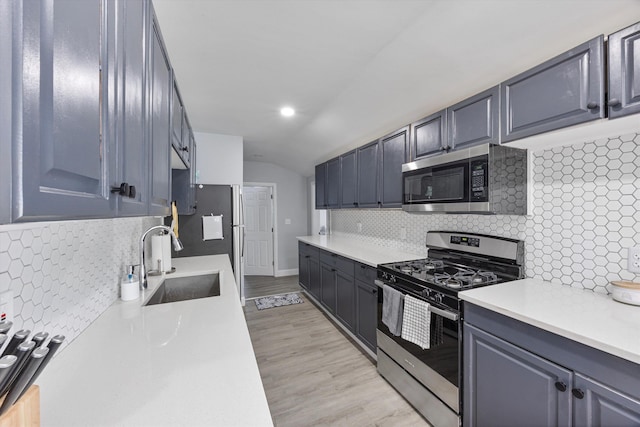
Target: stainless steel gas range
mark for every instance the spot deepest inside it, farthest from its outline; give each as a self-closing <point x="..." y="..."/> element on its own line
<point x="425" y="366"/>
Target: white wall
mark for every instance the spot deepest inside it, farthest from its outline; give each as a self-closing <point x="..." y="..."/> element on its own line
<point x="219" y="158"/>
<point x="291" y="194"/>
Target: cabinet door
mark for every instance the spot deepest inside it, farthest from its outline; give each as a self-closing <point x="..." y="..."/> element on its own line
<point x="60" y="146"/>
<point x="428" y="135"/>
<point x="177" y="114"/>
<point x="395" y="151"/>
<point x="314" y="277"/>
<point x="597" y="404"/>
<point x="186" y="140"/>
<point x="561" y="92"/>
<point x="366" y="313"/>
<point x="328" y="287"/>
<point x="505" y="385"/>
<point x="624" y="72"/>
<point x="349" y="180"/>
<point x="160" y="118"/>
<point x="345" y="300"/>
<point x="321" y="186"/>
<point x="303" y="267"/>
<point x="474" y="120"/>
<point x="6" y="41"/>
<point x="333" y="183"/>
<point x="368" y="178"/>
<point x="126" y="63"/>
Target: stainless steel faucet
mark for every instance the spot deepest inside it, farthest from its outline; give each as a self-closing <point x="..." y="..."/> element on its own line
<point x="177" y="245"/>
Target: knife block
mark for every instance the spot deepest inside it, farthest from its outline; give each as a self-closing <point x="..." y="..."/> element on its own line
<point x="25" y="412"/>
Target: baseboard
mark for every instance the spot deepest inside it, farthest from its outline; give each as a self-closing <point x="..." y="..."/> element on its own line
<point x="290" y="272"/>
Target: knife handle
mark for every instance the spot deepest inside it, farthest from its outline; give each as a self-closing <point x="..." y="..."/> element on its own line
<point x="6" y="366"/>
<point x="53" y="346"/>
<point x="39" y="338"/>
<point x="5" y="325"/>
<point x="22" y="380"/>
<point x="22" y="353"/>
<point x="15" y="341"/>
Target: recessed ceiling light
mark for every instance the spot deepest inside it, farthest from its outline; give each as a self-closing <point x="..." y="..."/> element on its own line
<point x="287" y="111"/>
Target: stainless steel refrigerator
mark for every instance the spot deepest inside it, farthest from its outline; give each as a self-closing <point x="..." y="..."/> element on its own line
<point x="225" y="200"/>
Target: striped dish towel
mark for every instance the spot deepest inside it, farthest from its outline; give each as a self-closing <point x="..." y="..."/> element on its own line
<point x="416" y="322"/>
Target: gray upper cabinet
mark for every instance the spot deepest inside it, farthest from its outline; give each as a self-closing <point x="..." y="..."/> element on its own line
<point x="395" y="152"/>
<point x="59" y="150"/>
<point x="6" y="41"/>
<point x="160" y="94"/>
<point x="349" y="181"/>
<point x="321" y="186"/>
<point x="624" y="72"/>
<point x="129" y="139"/>
<point x="368" y="175"/>
<point x="474" y="120"/>
<point x="333" y="183"/>
<point x="428" y="135"/>
<point x="564" y="91"/>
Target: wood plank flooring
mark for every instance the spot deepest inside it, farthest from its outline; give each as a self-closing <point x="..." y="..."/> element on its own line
<point x="262" y="286"/>
<point x="314" y="376"/>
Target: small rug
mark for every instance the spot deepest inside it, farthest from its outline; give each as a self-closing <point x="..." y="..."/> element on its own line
<point x="278" y="301"/>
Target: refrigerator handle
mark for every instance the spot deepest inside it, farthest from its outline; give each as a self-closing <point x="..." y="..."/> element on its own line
<point x="242" y="222"/>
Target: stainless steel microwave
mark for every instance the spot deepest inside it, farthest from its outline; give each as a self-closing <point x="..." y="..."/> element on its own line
<point x="487" y="179"/>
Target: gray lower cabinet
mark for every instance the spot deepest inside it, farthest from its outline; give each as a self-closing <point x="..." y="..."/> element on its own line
<point x="60" y="145"/>
<point x="349" y="180"/>
<point x="328" y="287"/>
<point x="474" y="120"/>
<point x="346" y="299"/>
<point x="429" y="135"/>
<point x="395" y="151"/>
<point x="366" y="313"/>
<point x="160" y="94"/>
<point x="333" y="183"/>
<point x="368" y="175"/>
<point x="314" y="276"/>
<point x="564" y="91"/>
<point x="624" y="72"/>
<point x="321" y="186"/>
<point x="303" y="267"/>
<point x="516" y="374"/>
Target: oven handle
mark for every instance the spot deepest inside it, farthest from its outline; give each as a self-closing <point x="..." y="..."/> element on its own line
<point x="444" y="313"/>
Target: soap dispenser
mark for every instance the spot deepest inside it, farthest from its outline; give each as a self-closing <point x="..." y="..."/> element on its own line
<point x="130" y="285"/>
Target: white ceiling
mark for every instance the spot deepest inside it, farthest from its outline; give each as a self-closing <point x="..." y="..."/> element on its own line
<point x="356" y="69"/>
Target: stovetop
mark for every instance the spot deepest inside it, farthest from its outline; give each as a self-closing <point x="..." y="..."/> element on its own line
<point x="440" y="273"/>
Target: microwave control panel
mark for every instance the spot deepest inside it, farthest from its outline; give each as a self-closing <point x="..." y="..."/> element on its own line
<point x="479" y="180"/>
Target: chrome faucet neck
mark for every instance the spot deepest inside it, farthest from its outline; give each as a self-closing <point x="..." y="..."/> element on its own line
<point x="143" y="267"/>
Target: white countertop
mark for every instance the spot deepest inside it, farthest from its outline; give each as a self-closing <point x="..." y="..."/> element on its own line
<point x="187" y="363"/>
<point x="584" y="316"/>
<point x="365" y="253"/>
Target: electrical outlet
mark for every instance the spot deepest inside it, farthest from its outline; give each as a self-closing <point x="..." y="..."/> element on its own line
<point x="6" y="306"/>
<point x="633" y="260"/>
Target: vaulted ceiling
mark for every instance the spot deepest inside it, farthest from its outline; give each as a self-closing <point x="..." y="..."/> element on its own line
<point x="355" y="70"/>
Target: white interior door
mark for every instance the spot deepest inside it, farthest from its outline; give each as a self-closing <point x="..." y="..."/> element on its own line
<point x="258" y="254"/>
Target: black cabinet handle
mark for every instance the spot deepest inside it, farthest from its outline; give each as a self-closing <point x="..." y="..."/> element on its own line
<point x="577" y="393"/>
<point x="592" y="105"/>
<point x="560" y="386"/>
<point x="363" y="266"/>
<point x="334" y="255"/>
<point x="443" y="148"/>
<point x="355" y="203"/>
<point x="132" y="191"/>
<point x="185" y="149"/>
<point x="333" y="269"/>
<point x="307" y="256"/>
<point x="374" y="291"/>
<point x="122" y="190"/>
<point x="614" y="102"/>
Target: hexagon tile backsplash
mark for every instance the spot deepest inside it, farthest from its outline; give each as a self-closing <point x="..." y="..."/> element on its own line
<point x="65" y="274"/>
<point x="585" y="214"/>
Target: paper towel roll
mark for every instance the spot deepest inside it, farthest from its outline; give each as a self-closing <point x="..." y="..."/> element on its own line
<point x="166" y="253"/>
<point x="157" y="253"/>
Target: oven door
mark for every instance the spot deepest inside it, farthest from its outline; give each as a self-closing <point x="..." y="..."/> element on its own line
<point x="437" y="367"/>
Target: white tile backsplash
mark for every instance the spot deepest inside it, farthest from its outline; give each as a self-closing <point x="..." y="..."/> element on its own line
<point x="65" y="274"/>
<point x="585" y="214"/>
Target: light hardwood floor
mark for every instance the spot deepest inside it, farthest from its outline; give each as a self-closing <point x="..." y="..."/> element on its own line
<point x="262" y="286"/>
<point x="313" y="375"/>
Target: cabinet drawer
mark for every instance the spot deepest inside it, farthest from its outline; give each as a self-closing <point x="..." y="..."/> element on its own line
<point x="338" y="262"/>
<point x="365" y="273"/>
<point x="307" y="249"/>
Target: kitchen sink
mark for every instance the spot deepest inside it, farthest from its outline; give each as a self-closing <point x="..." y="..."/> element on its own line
<point x="186" y="288"/>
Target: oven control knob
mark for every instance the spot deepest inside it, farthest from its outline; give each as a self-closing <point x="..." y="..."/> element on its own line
<point x="438" y="297"/>
<point x="392" y="278"/>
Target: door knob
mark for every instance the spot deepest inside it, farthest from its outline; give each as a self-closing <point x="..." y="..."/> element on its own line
<point x="122" y="190"/>
<point x="560" y="386"/>
<point x="577" y="393"/>
<point x="614" y="102"/>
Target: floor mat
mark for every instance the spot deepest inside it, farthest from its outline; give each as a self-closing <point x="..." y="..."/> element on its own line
<point x="278" y="301"/>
